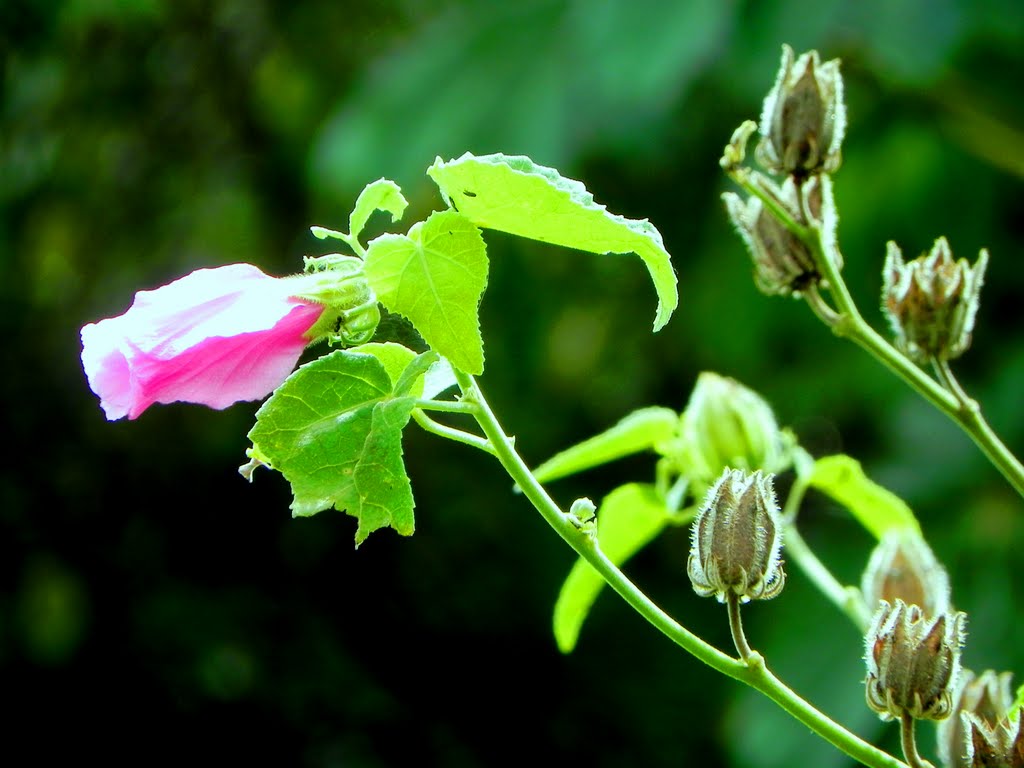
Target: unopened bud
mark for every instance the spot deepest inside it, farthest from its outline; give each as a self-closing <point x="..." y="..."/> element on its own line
<point x="804" y="118"/>
<point x="351" y="313"/>
<point x="912" y="661"/>
<point x="725" y="424"/>
<point x="982" y="731"/>
<point x="783" y="264"/>
<point x="736" y="538"/>
<point x="931" y="301"/>
<point x="903" y="567"/>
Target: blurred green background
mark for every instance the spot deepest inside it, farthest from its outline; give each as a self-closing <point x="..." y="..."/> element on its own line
<point x="156" y="609"/>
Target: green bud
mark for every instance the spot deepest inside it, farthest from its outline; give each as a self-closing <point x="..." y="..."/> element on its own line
<point x="351" y="313"/>
<point x="804" y="118"/>
<point x="736" y="538"/>
<point x="983" y="731"/>
<point x="728" y="425"/>
<point x="931" y="301"/>
<point x="913" y="661"/>
<point x="903" y="567"/>
<point x="783" y="264"/>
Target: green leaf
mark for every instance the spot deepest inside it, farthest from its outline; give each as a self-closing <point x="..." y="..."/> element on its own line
<point x="629" y="518"/>
<point x="379" y="195"/>
<point x="639" y="431"/>
<point x="393" y="356"/>
<point x="334" y="430"/>
<point x="513" y="194"/>
<point x="435" y="277"/>
<point x="877" y="509"/>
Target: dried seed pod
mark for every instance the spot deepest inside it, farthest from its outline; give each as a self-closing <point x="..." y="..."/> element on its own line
<point x="736" y="539"/>
<point x="783" y="264"/>
<point x="913" y="661"/>
<point x="931" y="301"/>
<point x="804" y="118"/>
<point x="982" y="730"/>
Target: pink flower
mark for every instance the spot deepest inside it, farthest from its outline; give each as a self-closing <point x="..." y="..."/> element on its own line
<point x="214" y="337"/>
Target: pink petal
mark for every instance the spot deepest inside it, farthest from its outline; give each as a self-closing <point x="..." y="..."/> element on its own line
<point x="214" y="337"/>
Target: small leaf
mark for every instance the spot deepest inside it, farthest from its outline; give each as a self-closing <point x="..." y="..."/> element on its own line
<point x="334" y="430"/>
<point x="639" y="431"/>
<point x="630" y="517"/>
<point x="877" y="509"/>
<point x="379" y="195"/>
<point x="513" y="194"/>
<point x="435" y="277"/>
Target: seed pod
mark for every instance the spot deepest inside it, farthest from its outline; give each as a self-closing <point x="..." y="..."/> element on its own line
<point x="982" y="731"/>
<point x="931" y="301"/>
<point x="736" y="538"/>
<point x="903" y="567"/>
<point x="783" y="264"/>
<point x="913" y="661"/>
<point x="804" y="118"/>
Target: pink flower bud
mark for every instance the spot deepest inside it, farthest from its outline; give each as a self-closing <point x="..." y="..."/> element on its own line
<point x="214" y="337"/>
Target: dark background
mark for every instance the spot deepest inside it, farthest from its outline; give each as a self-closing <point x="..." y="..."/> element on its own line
<point x="156" y="609"/>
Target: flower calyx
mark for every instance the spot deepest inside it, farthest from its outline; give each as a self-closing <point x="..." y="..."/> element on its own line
<point x="736" y="539"/>
<point x="351" y="313"/>
<point x="931" y="301"/>
<point x="913" y="661"/>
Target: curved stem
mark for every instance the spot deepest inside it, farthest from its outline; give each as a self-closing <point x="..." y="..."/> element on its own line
<point x="739" y="639"/>
<point x="442" y="430"/>
<point x="914" y="760"/>
<point x="847" y="599"/>
<point x="754" y="672"/>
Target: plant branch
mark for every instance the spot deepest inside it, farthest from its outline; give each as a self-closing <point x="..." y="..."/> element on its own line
<point x="451" y="433"/>
<point x="846" y="321"/>
<point x="753" y="672"/>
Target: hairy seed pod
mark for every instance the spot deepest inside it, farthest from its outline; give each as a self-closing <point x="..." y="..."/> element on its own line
<point x="913" y="661"/>
<point x="982" y="731"/>
<point x="804" y="118"/>
<point x="783" y="264"/>
<point x="736" y="538"/>
<point x="931" y="301"/>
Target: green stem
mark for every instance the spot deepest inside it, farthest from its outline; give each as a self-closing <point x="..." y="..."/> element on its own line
<point x="442" y="430"/>
<point x="739" y="639"/>
<point x="914" y="760"/>
<point x="847" y="599"/>
<point x="753" y="672"/>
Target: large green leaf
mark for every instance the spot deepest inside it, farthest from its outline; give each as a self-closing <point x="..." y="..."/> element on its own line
<point x="876" y="508"/>
<point x="435" y="276"/>
<point x="639" y="431"/>
<point x="629" y="518"/>
<point x="334" y="430"/>
<point x="513" y="194"/>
